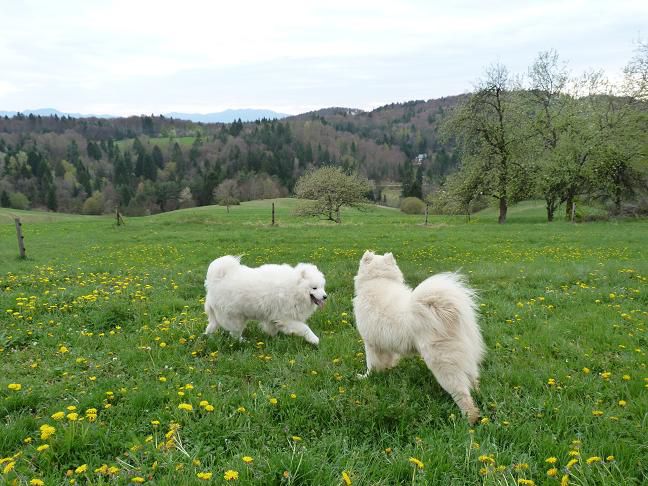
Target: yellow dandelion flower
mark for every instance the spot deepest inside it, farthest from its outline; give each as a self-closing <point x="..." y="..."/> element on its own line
<point x="586" y="370"/>
<point x="72" y="417"/>
<point x="346" y="478"/>
<point x="526" y="482"/>
<point x="626" y="377"/>
<point x="58" y="415"/>
<point x="47" y="431"/>
<point x="551" y="460"/>
<point x="597" y="413"/>
<point x="296" y="438"/>
<point x="273" y="401"/>
<point x="36" y="482"/>
<point x="622" y="403"/>
<point x="42" y="448"/>
<point x="209" y="408"/>
<point x="241" y="410"/>
<point x="564" y="481"/>
<point x="186" y="407"/>
<point x="593" y="459"/>
<point x="203" y="403"/>
<point x="9" y="467"/>
<point x="137" y="479"/>
<point x="417" y="462"/>
<point x="81" y="469"/>
<point x="14" y="386"/>
<point x="571" y="463"/>
<point x="552" y="472"/>
<point x="486" y="459"/>
<point x="609" y="458"/>
<point x="247" y="459"/>
<point x="231" y="475"/>
<point x="205" y="476"/>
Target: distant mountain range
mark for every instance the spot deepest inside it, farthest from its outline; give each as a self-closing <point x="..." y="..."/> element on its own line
<point x="226" y="116"/>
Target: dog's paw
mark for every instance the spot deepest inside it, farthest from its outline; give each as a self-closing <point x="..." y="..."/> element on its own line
<point x="363" y="376"/>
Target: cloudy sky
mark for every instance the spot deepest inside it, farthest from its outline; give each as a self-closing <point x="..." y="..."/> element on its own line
<point x="139" y="56"/>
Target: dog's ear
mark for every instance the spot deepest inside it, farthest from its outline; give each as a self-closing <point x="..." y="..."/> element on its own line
<point x="389" y="258"/>
<point x="302" y="270"/>
<point x="368" y="256"/>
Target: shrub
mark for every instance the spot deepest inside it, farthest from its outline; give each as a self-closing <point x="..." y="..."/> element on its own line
<point x="412" y="205"/>
<point x="17" y="200"/>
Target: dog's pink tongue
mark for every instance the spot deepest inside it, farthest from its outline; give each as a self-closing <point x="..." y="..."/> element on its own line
<point x="320" y="304"/>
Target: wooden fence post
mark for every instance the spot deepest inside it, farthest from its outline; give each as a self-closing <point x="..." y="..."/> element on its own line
<point x="21" y="242"/>
<point x="427" y="208"/>
<point x="273" y="214"/>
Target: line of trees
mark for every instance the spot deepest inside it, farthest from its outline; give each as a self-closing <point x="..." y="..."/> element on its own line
<point x="550" y="135"/>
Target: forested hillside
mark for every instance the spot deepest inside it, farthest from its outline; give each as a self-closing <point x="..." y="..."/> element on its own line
<point x="149" y="164"/>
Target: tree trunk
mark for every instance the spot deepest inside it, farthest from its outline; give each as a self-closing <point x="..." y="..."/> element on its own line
<point x="569" y="204"/>
<point x="503" y="207"/>
<point x="551" y="208"/>
<point x="337" y="216"/>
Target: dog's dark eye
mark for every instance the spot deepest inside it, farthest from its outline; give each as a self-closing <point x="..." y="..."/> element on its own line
<point x="314" y="288"/>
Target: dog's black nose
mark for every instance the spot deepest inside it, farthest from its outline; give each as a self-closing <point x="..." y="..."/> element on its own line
<point x="324" y="297"/>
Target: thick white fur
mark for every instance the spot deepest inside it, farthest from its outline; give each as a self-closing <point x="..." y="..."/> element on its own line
<point x="278" y="296"/>
<point x="436" y="320"/>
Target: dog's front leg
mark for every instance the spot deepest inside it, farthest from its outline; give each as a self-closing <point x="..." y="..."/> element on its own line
<point x="299" y="329"/>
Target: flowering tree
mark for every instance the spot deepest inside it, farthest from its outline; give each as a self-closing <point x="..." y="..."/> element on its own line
<point x="326" y="190"/>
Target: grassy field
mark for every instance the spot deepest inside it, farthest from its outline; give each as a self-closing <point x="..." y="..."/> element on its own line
<point x="104" y="378"/>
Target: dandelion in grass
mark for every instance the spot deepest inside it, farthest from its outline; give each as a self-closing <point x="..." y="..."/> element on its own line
<point x="14" y="386"/>
<point x="205" y="476"/>
<point x="58" y="415"/>
<point x="551" y="460"/>
<point x="9" y="467"/>
<point x="593" y="459"/>
<point x="187" y="407"/>
<point x="231" y="475"/>
<point x="346" y="478"/>
<point x="552" y="472"/>
<point x="273" y="401"/>
<point x="526" y="482"/>
<point x="42" y="448"/>
<point x="247" y="459"/>
<point x="296" y="438"/>
<point x="564" y="481"/>
<point x="47" y="431"/>
<point x="571" y="463"/>
<point x="81" y="469"/>
<point x="36" y="482"/>
<point x="417" y="462"/>
<point x="137" y="480"/>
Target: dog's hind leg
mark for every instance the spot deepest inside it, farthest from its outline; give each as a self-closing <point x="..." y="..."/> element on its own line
<point x="379" y="360"/>
<point x="268" y="327"/>
<point x="299" y="329"/>
<point x="453" y="380"/>
<point x="211" y="317"/>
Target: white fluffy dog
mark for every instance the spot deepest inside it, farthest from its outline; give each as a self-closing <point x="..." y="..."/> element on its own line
<point x="280" y="297"/>
<point x="437" y="320"/>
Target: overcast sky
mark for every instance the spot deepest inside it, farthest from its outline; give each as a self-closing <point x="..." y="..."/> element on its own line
<point x="138" y="56"/>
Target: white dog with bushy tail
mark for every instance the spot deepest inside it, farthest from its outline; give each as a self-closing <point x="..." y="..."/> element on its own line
<point x="436" y="320"/>
<point x="280" y="297"/>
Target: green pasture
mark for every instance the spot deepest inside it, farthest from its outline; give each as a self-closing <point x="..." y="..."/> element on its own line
<point x="105" y="378"/>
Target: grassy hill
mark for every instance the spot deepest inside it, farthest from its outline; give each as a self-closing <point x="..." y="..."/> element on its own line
<point x="108" y="320"/>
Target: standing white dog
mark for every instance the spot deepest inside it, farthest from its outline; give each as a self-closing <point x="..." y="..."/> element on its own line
<point x="437" y="320"/>
<point x="280" y="297"/>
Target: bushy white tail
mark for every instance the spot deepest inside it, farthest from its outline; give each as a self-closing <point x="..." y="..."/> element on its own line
<point x="221" y="267"/>
<point x="448" y="296"/>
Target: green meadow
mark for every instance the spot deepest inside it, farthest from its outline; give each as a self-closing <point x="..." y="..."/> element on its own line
<point x="106" y="379"/>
